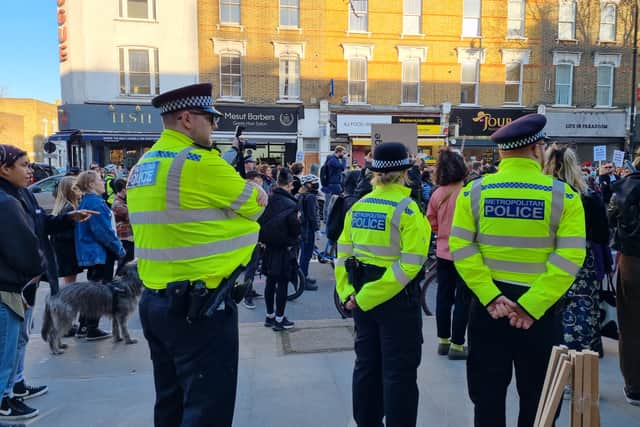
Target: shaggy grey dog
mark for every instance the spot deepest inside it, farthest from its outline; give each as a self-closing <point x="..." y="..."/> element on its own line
<point x="92" y="300"/>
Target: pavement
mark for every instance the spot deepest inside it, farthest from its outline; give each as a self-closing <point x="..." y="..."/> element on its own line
<point x="301" y="377"/>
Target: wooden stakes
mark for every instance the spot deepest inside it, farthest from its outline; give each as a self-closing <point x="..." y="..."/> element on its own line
<point x="580" y="370"/>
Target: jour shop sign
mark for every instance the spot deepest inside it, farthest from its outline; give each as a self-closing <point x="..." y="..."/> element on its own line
<point x="586" y="124"/>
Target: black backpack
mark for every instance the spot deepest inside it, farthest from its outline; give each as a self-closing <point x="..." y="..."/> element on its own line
<point x="271" y="228"/>
<point x="324" y="175"/>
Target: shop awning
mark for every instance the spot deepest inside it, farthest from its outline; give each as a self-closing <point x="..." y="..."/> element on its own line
<point x="63" y="135"/>
<point x="119" y="136"/>
<point x="360" y="141"/>
<point x="469" y="142"/>
<point x="423" y="142"/>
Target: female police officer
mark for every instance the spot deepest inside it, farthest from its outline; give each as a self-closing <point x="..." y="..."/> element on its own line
<point x="381" y="252"/>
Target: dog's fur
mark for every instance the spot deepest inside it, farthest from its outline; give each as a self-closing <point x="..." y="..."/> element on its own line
<point x="92" y="300"/>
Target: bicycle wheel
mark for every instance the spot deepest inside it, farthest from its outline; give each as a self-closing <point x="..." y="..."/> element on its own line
<point x="428" y="292"/>
<point x="296" y="286"/>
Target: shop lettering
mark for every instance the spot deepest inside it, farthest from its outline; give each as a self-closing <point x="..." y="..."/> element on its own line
<point x="514" y="208"/>
<point x="491" y="122"/>
<point x="62" y="32"/>
<point x="122" y="118"/>
<point x="250" y="117"/>
<point x="586" y="126"/>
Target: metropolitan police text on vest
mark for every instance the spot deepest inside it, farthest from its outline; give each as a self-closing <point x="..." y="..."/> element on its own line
<point x="514" y="208"/>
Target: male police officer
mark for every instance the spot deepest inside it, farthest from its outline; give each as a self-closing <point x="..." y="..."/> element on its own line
<point x="381" y="253"/>
<point x="194" y="223"/>
<point x="517" y="240"/>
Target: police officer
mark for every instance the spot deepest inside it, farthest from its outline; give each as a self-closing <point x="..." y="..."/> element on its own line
<point x="517" y="240"/>
<point x="381" y="253"/>
<point x="194" y="223"/>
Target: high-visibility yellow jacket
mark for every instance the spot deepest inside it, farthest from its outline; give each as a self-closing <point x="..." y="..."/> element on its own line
<point x="386" y="229"/>
<point x="193" y="216"/>
<point x="521" y="227"/>
<point x="111" y="194"/>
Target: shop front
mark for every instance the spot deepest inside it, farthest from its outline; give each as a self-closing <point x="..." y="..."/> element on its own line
<point x="357" y="128"/>
<point x="584" y="129"/>
<point x="273" y="130"/>
<point x="106" y="133"/>
<point x="471" y="129"/>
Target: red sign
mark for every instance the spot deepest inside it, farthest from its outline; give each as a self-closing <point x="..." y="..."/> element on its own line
<point x="62" y="31"/>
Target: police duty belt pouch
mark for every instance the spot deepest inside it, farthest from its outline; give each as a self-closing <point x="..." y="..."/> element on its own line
<point x="178" y="297"/>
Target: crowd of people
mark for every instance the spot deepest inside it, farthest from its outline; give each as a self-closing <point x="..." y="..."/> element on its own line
<point x="522" y="249"/>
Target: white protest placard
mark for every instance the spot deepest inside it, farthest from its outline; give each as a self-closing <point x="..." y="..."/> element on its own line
<point x="618" y="158"/>
<point x="600" y="153"/>
<point x="406" y="134"/>
<point x="300" y="156"/>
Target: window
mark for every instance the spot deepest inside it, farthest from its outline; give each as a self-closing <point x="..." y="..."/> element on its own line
<point x="358" y="15"/>
<point x="513" y="83"/>
<point x="567" y="20"/>
<point x="564" y="83"/>
<point x="230" y="12"/>
<point x="469" y="83"/>
<point x="608" y="23"/>
<point x="138" y="9"/>
<point x="358" y="80"/>
<point x="230" y="75"/>
<point x="289" y="77"/>
<point x="604" y="95"/>
<point x="139" y="73"/>
<point x="411" y="81"/>
<point x="471" y="19"/>
<point x="515" y="20"/>
<point x="289" y="16"/>
<point x="411" y="20"/>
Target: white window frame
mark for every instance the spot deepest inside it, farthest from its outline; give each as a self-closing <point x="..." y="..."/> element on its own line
<point x="612" y="68"/>
<point x="516" y="19"/>
<point x="125" y="71"/>
<point x="571" y="21"/>
<point x="411" y="15"/>
<point x="366" y="75"/>
<point x="466" y="19"/>
<point x="513" y="83"/>
<point x="353" y="14"/>
<point x="231" y="3"/>
<point x="283" y="78"/>
<point x="603" y="36"/>
<point x="151" y="10"/>
<point x="288" y="7"/>
<point x="404" y="82"/>
<point x="571" y="72"/>
<point x="476" y="64"/>
<point x="239" y="55"/>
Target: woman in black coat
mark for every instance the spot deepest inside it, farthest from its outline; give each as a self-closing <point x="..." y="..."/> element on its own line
<point x="279" y="233"/>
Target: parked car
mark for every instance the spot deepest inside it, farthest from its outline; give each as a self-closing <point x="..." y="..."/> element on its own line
<point x="44" y="191"/>
<point x="42" y="171"/>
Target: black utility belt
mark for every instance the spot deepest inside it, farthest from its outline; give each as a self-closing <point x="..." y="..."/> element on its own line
<point x="193" y="300"/>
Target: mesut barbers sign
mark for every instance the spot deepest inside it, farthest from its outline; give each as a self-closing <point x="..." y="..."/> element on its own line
<point x="259" y="119"/>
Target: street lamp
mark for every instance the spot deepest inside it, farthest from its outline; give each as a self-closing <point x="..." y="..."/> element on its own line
<point x="634" y="61"/>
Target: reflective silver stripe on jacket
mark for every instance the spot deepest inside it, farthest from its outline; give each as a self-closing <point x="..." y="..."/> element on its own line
<point x="376" y="250"/>
<point x="476" y="193"/>
<point x="557" y="206"/>
<point x="516" y="242"/>
<point x="571" y="242"/>
<point x="399" y="274"/>
<point x="463" y="234"/>
<point x="197" y="251"/>
<point x="414" y="259"/>
<point x="564" y="264"/>
<point x="394" y="237"/>
<point x="344" y="248"/>
<point x="173" y="214"/>
<point x="339" y="262"/>
<point x="516" y="267"/>
<point x="466" y="252"/>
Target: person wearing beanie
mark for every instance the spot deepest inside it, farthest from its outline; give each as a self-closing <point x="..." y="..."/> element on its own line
<point x="309" y="223"/>
<point x="279" y="233"/>
<point x="381" y="254"/>
<point x="517" y="240"/>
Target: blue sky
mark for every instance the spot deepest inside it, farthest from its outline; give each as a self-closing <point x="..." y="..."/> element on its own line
<point x="29" y="65"/>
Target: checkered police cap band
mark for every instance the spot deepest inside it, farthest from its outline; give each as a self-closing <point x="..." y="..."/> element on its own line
<point x="385" y="164"/>
<point x="523" y="142"/>
<point x="186" y="103"/>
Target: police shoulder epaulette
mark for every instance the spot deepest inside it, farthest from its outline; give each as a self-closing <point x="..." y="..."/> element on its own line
<point x="467" y="181"/>
<point x="565" y="182"/>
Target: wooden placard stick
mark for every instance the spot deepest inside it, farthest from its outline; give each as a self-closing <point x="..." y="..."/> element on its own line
<point x="552" y="367"/>
<point x="577" y="407"/>
<point x="587" y="397"/>
<point x="555" y="396"/>
<point x="592" y="405"/>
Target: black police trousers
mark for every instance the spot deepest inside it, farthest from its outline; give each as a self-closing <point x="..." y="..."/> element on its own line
<point x="495" y="348"/>
<point x="195" y="365"/>
<point x="388" y="349"/>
